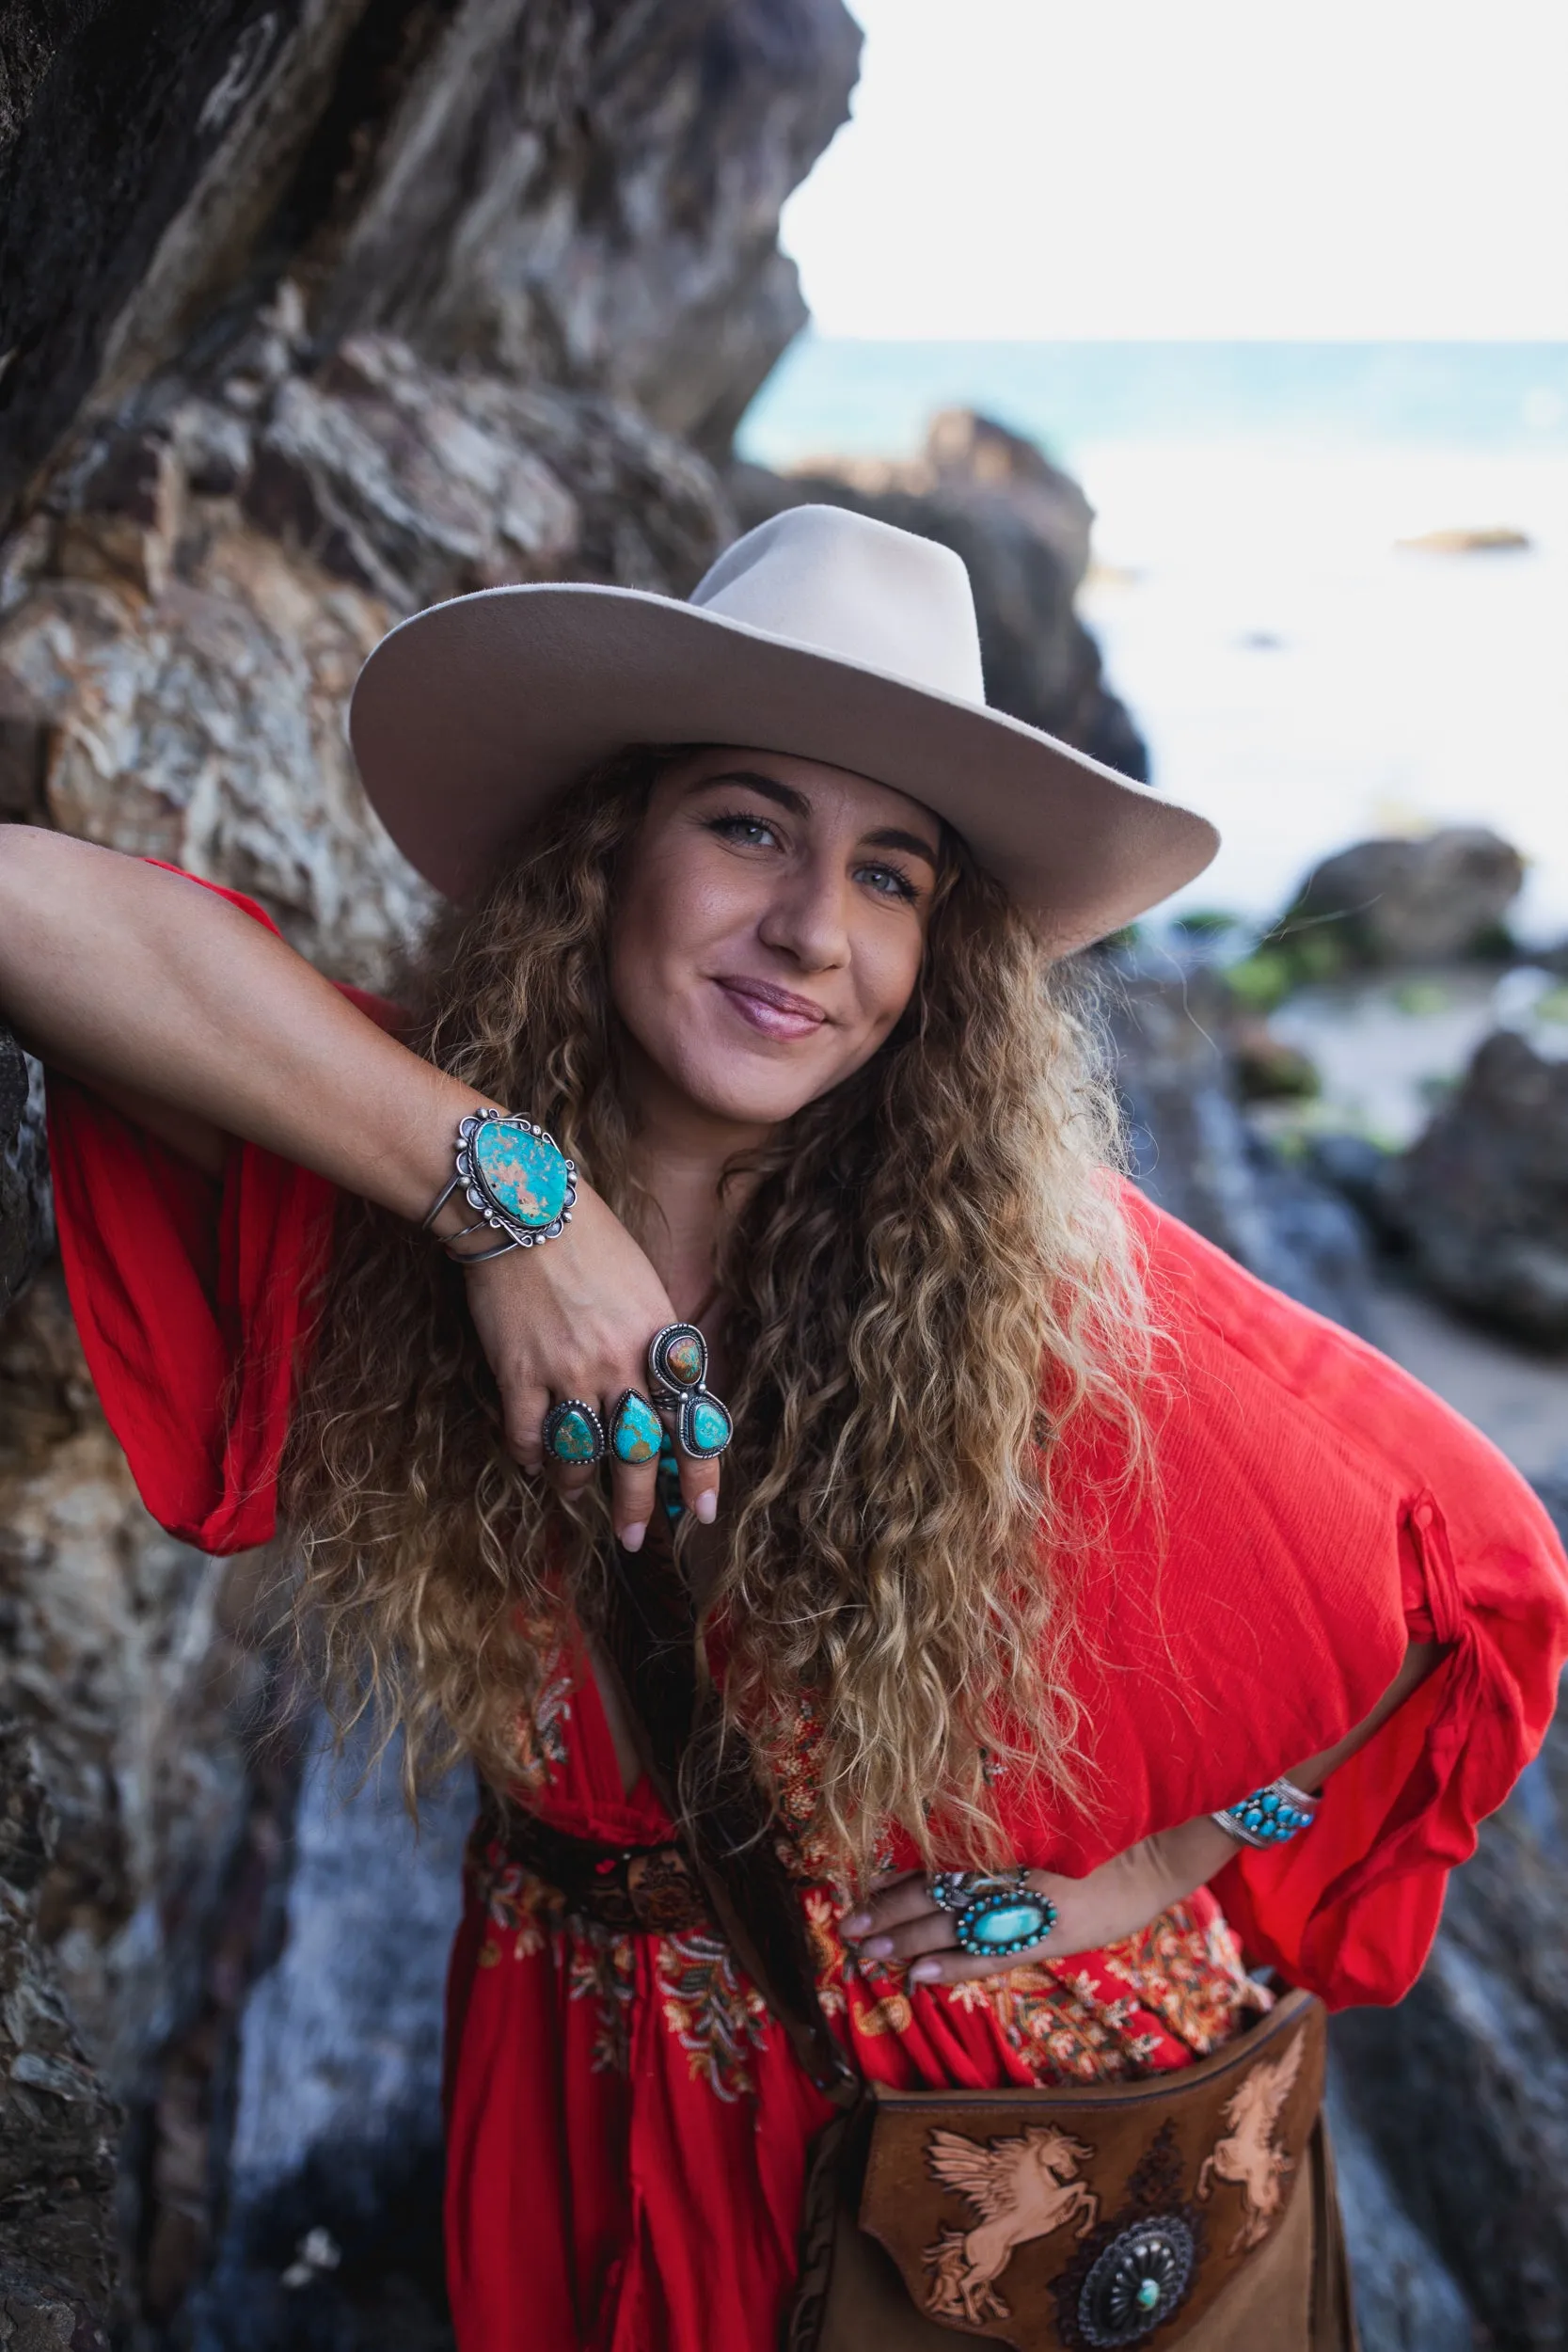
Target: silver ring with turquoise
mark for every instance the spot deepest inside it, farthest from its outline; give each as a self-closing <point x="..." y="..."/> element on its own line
<point x="574" y="1433"/>
<point x="636" y="1432"/>
<point x="995" y="1914"/>
<point x="516" y="1176"/>
<point x="677" y="1371"/>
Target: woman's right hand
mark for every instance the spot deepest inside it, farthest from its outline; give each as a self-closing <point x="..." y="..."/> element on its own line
<point x="573" y="1318"/>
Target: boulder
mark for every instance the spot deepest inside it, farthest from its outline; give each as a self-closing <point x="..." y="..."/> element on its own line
<point x="1483" y="1196"/>
<point x="1022" y="528"/>
<point x="1426" y="901"/>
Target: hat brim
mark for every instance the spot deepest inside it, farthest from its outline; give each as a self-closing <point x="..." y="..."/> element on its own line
<point x="470" y="716"/>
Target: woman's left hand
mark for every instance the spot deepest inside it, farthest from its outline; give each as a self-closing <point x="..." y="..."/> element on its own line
<point x="901" y="1922"/>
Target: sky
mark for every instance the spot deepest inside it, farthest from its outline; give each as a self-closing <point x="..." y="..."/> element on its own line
<point x="1063" y="168"/>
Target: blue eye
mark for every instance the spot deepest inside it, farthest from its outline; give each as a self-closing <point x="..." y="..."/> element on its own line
<point x="755" y="832"/>
<point x="889" y="882"/>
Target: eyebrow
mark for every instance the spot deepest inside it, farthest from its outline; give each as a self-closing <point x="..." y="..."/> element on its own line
<point x="785" y="796"/>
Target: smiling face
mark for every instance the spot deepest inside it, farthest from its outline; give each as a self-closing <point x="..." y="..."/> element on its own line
<point x="769" y="930"/>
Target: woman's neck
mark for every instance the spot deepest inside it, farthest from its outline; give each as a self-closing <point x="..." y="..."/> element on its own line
<point x="679" y="1158"/>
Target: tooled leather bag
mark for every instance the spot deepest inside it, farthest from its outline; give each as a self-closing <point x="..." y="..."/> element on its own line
<point x="1195" y="2209"/>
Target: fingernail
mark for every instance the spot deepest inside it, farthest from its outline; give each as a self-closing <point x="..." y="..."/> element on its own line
<point x="706" y="1506"/>
<point x="925" y="1971"/>
<point x="631" y="1537"/>
<point x="879" y="1947"/>
<point x="858" y="1923"/>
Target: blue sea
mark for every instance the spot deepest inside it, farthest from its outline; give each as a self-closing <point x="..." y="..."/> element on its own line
<point x="1303" y="672"/>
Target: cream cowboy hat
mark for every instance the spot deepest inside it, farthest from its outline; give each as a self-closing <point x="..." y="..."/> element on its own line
<point x="820" y="633"/>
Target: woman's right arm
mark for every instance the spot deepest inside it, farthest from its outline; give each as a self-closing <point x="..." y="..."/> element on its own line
<point x="202" y="1024"/>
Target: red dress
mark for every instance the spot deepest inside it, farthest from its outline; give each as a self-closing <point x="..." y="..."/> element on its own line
<point x="627" y="2128"/>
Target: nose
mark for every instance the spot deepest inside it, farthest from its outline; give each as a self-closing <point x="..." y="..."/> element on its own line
<point x="807" y="918"/>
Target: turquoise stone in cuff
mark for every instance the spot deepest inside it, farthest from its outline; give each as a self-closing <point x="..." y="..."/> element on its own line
<point x="637" y="1433"/>
<point x="525" y="1175"/>
<point x="1010" y="1923"/>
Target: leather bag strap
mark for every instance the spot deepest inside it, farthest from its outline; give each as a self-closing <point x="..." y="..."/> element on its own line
<point x="648" y="1638"/>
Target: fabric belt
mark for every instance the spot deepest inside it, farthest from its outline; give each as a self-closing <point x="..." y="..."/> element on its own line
<point x="638" y="1890"/>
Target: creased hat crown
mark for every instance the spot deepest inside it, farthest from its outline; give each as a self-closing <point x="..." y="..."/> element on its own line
<point x="857" y="589"/>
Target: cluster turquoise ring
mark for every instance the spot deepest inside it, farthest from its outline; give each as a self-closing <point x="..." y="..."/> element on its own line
<point x="995" y="1914"/>
<point x="677" y="1371"/>
<point x="574" y="1433"/>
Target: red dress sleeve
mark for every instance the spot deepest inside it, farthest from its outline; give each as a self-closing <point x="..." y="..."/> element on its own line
<point x="193" y="1296"/>
<point x="1350" y="1908"/>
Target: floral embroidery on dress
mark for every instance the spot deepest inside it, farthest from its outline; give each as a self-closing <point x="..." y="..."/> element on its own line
<point x="717" y="2017"/>
<point x="542" y="1734"/>
<point x="526" y="1916"/>
<point x="522" y="1910"/>
<point x="602" y="1967"/>
<point x="1093" y="2017"/>
<point x="1192" y="1977"/>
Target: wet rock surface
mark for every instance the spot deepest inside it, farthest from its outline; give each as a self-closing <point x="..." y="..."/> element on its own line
<point x="331" y="2239"/>
<point x="1022" y="528"/>
<point x="1481" y="1197"/>
<point x="1420" y="902"/>
<point x="1463" y="2090"/>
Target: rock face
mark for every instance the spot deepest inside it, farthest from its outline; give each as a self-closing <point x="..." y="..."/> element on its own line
<point x="220" y="569"/>
<point x="1483" y="1196"/>
<point x="56" y="2127"/>
<point x="1463" y="2088"/>
<point x="25" y="1225"/>
<point x="550" y="189"/>
<point x="1194" y="1152"/>
<point x="1022" y="527"/>
<point x="1426" y="901"/>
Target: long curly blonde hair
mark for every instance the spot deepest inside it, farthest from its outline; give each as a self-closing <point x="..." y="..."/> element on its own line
<point x="927" y="1280"/>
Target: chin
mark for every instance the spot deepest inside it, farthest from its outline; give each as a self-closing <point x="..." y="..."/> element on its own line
<point x="743" y="1105"/>
<point x="747" y="1090"/>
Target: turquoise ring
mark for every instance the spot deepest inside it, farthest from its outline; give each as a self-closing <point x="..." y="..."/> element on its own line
<point x="636" y="1432"/>
<point x="678" y="1371"/>
<point x="994" y="1915"/>
<point x="574" y="1433"/>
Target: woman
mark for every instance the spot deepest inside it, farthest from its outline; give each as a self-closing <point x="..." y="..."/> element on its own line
<point x="1049" y="1536"/>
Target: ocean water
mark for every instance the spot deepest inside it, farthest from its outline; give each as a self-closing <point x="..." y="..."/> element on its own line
<point x="1302" y="676"/>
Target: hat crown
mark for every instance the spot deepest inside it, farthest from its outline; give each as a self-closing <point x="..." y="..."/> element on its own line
<point x="857" y="590"/>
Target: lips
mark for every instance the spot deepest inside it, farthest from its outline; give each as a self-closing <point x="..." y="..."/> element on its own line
<point x="772" y="1011"/>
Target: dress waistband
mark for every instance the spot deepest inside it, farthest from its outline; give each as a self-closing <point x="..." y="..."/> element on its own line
<point x="638" y="1890"/>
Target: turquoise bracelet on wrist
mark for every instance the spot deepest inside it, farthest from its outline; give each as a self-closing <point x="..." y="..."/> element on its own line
<point x="1272" y="1816"/>
<point x="518" y="1178"/>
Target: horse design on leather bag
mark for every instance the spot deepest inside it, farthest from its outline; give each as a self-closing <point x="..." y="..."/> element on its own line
<point x="1251" y="2156"/>
<point x="1023" y="2187"/>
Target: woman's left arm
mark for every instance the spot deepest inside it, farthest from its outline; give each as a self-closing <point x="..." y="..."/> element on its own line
<point x="901" y="1922"/>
